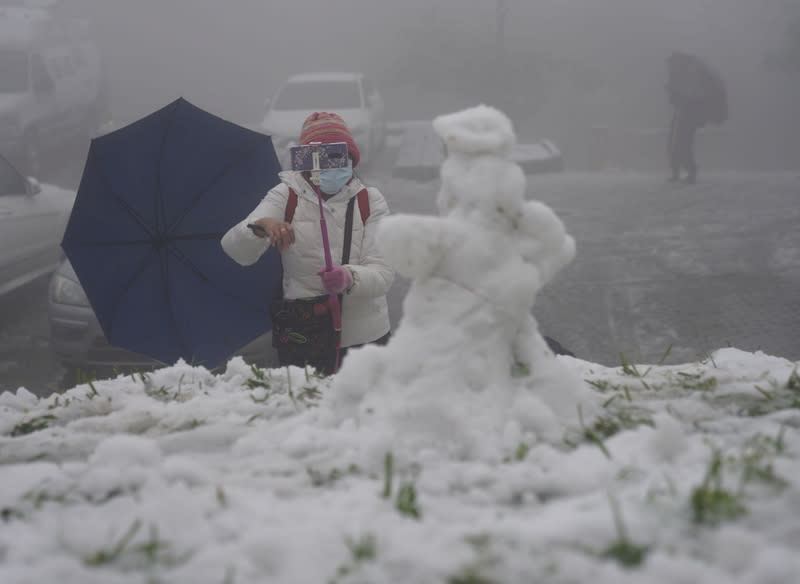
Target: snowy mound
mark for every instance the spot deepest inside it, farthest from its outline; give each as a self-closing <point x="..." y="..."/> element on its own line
<point x="467" y="359"/>
<point x="691" y="474"/>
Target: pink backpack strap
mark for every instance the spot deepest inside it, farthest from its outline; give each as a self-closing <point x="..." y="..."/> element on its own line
<point x="291" y="204"/>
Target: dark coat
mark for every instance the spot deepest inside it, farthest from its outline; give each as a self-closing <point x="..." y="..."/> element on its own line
<point x="696" y="91"/>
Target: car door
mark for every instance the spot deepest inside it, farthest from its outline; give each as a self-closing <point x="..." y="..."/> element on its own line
<point x="29" y="234"/>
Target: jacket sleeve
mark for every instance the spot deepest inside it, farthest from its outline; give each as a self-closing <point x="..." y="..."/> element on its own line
<point x="240" y="243"/>
<point x="373" y="276"/>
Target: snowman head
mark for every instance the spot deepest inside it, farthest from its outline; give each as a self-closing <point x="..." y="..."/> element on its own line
<point x="476" y="131"/>
<point x="479" y="178"/>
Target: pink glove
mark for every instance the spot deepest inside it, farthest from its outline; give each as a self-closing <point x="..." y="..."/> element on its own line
<point x="336" y="279"/>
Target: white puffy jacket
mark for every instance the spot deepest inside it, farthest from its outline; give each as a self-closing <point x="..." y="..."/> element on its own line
<point x="365" y="312"/>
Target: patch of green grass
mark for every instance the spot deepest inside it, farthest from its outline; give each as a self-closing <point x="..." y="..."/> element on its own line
<point x="779" y="397"/>
<point x="757" y="460"/>
<point x="520" y="369"/>
<point x="163" y="393"/>
<point x="591" y="436"/>
<point x="695" y="381"/>
<point x="10" y="513"/>
<point x="406" y="502"/>
<point x="519" y="454"/>
<point x="793" y="383"/>
<point x="601" y="385"/>
<point x="618" y="419"/>
<point x="33" y="425"/>
<point x="111" y="554"/>
<point x="321" y="479"/>
<point x="260" y="378"/>
<point x="630" y="369"/>
<point x="710" y="502"/>
<point x="39" y="498"/>
<point x="474" y="573"/>
<point x="57" y="403"/>
<point x="388" y="475"/>
<point x="152" y="551"/>
<point x="362" y="550"/>
<point x="615" y="420"/>
<point x="623" y="550"/>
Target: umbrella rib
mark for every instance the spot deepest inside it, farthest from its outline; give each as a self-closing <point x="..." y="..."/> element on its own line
<point x="171" y="308"/>
<point x="186" y="262"/>
<point x="124" y="203"/>
<point x="134" y="276"/>
<point x="159" y="199"/>
<point x="213" y="182"/>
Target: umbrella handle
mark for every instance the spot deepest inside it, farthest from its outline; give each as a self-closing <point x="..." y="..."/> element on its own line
<point x="336" y="316"/>
<point x="323" y="226"/>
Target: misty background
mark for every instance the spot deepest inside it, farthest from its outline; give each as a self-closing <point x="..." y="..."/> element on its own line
<point x="587" y="74"/>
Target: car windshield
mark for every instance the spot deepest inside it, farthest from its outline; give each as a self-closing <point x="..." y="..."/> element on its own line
<point x="319" y="95"/>
<point x="13" y="71"/>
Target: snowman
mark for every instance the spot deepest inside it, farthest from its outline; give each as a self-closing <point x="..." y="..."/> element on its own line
<point x="468" y="345"/>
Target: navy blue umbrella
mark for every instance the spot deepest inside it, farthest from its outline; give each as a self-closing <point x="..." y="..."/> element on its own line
<point x="144" y="235"/>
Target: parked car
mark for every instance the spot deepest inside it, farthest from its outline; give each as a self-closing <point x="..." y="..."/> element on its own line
<point x="420" y="153"/>
<point x="351" y="95"/>
<point x="52" y="90"/>
<point x="33" y="217"/>
<point x="78" y="339"/>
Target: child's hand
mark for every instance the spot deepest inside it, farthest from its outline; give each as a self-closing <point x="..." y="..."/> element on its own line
<point x="279" y="232"/>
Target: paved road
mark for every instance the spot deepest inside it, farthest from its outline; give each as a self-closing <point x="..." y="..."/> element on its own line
<point x="693" y="268"/>
<point x="684" y="268"/>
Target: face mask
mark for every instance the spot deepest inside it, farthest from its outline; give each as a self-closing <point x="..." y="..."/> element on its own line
<point x="331" y="180"/>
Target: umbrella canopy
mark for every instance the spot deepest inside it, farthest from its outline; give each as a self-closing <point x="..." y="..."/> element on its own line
<point x="144" y="235"/>
<point x="692" y="76"/>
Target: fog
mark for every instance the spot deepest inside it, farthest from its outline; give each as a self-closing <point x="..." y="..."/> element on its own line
<point x="561" y="68"/>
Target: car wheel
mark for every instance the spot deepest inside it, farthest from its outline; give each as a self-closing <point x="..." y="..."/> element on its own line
<point x="33" y="156"/>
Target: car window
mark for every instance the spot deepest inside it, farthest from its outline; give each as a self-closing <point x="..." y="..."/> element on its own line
<point x="11" y="182"/>
<point x="13" y="71"/>
<point x="319" y="95"/>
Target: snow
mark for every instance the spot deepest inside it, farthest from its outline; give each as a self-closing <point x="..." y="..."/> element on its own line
<point x="462" y="452"/>
<point x="251" y="476"/>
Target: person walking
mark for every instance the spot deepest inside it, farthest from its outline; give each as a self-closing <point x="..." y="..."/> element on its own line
<point x="289" y="218"/>
<point x="687" y="95"/>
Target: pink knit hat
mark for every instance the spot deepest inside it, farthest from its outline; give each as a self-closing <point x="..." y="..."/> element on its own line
<point x="327" y="128"/>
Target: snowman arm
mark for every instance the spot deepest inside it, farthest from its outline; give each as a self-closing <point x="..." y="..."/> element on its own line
<point x="413" y="244"/>
<point x="544" y="241"/>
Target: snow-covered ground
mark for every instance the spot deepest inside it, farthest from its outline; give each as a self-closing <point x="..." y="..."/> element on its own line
<point x="690" y="474"/>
